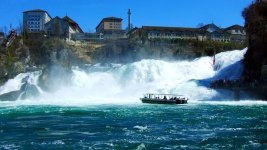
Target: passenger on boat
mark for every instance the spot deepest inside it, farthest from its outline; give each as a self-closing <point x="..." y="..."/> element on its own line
<point x="165" y="97"/>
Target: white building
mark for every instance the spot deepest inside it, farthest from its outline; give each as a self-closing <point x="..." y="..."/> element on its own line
<point x="35" y="20"/>
<point x="111" y="27"/>
<point x="237" y="32"/>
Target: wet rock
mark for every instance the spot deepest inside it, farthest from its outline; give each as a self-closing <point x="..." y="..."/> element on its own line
<point x="10" y="96"/>
<point x="26" y="91"/>
<point x="29" y="91"/>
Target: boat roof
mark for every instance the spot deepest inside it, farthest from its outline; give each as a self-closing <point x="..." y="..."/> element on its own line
<point x="163" y="94"/>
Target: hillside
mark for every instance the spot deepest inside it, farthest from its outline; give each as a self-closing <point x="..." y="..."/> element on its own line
<point x="84" y="50"/>
<point x="125" y="51"/>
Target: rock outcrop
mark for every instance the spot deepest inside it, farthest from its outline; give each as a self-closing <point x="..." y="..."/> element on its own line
<point x="255" y="17"/>
<point x="26" y="91"/>
<point x="58" y="61"/>
<point x="14" y="59"/>
<point x="256" y="28"/>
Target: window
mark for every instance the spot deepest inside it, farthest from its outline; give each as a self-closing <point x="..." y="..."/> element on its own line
<point x="110" y="26"/>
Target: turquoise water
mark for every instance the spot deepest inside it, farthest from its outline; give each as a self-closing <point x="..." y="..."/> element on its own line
<point x="99" y="108"/>
<point x="202" y="125"/>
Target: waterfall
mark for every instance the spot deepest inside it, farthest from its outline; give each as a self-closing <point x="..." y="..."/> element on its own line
<point x="125" y="83"/>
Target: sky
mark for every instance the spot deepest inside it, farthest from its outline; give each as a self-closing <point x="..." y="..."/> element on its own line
<point x="170" y="13"/>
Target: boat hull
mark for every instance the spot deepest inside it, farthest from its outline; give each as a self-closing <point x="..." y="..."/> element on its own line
<point x="162" y="101"/>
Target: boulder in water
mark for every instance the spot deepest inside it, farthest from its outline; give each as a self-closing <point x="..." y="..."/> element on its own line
<point x="10" y="96"/>
<point x="28" y="91"/>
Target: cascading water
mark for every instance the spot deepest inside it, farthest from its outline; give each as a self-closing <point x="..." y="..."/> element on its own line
<point x="126" y="83"/>
<point x="99" y="108"/>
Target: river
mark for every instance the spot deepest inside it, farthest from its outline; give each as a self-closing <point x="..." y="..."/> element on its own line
<point x="100" y="109"/>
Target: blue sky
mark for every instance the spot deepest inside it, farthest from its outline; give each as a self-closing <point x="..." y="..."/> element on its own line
<point x="173" y="13"/>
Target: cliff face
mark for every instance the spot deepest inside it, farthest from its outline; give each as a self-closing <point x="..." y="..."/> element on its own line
<point x="13" y="59"/>
<point x="255" y="17"/>
<point x="57" y="59"/>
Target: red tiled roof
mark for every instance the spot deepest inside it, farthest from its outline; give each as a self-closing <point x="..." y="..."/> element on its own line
<point x="235" y="27"/>
<point x="68" y="19"/>
<point x="72" y="23"/>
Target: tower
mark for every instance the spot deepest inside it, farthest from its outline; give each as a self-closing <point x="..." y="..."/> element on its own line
<point x="129" y="21"/>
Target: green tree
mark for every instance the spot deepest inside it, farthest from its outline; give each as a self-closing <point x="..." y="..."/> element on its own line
<point x="256" y="27"/>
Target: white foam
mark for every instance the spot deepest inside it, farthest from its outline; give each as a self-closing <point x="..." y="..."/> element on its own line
<point x="126" y="83"/>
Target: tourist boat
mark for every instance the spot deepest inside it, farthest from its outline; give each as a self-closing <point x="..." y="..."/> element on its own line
<point x="164" y="99"/>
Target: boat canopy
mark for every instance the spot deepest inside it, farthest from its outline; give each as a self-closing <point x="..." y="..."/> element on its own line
<point x="163" y="94"/>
